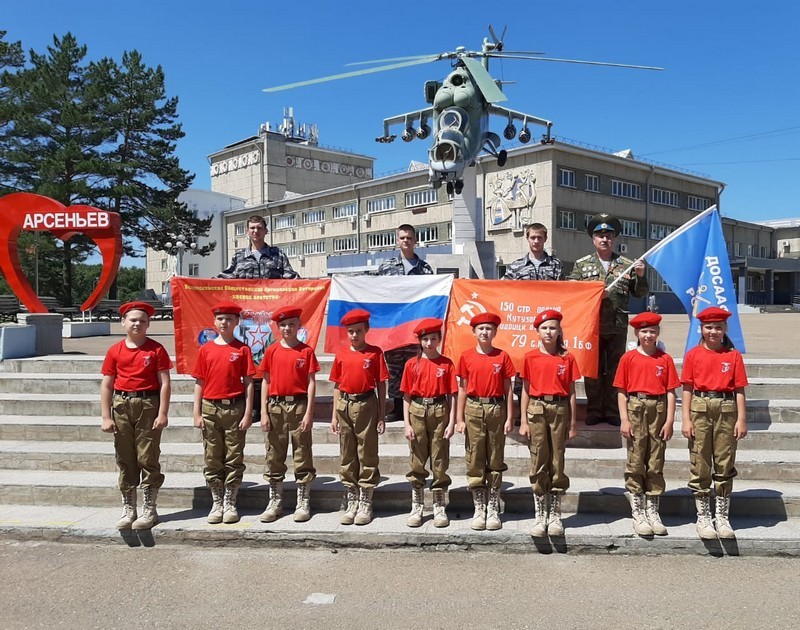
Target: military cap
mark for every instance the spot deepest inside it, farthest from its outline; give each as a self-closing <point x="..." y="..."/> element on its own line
<point x="226" y="307"/>
<point x="485" y="318"/>
<point x="286" y="312"/>
<point x="600" y="222"/>
<point x="356" y="316"/>
<point x="547" y="315"/>
<point x="713" y="314"/>
<point x="427" y="326"/>
<point x="137" y="306"/>
<point x="645" y="319"/>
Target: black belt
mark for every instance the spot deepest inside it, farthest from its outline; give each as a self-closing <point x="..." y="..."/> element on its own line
<point x="725" y="395"/>
<point x="436" y="400"/>
<point x="358" y="397"/>
<point x="644" y="396"/>
<point x="490" y="400"/>
<point x="550" y="398"/>
<point x="226" y="401"/>
<point x="295" y="398"/>
<point x="145" y="393"/>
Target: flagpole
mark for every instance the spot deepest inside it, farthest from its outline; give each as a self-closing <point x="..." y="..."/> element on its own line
<point x="664" y="241"/>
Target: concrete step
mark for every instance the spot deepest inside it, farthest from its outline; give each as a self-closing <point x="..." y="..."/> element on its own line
<point x="188" y="491"/>
<point x="761" y="436"/>
<point x="98" y="456"/>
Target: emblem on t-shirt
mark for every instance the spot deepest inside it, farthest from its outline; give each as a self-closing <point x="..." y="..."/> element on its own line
<point x="726" y="367"/>
<point x="439" y="372"/>
<point x="147" y="360"/>
<point x="496" y="368"/>
<point x="300" y="363"/>
<point x="367" y="363"/>
<point x="562" y="369"/>
<point x="659" y="371"/>
<point x="234" y="357"/>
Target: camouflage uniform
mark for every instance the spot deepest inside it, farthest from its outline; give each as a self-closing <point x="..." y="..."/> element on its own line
<point x="396" y="359"/>
<point x="600" y="394"/>
<point x="269" y="262"/>
<point x="524" y="269"/>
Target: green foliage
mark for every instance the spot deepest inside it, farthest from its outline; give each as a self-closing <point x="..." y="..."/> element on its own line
<point x="130" y="281"/>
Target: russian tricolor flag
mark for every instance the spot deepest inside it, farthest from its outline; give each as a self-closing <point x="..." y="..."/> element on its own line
<point x="396" y="303"/>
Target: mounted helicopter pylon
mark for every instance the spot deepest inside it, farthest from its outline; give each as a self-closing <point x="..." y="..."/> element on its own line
<point x="460" y="108"/>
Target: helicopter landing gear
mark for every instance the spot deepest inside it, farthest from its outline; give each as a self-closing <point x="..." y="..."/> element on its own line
<point x="459" y="186"/>
<point x="450" y="189"/>
<point x="502" y="156"/>
<point x="455" y="188"/>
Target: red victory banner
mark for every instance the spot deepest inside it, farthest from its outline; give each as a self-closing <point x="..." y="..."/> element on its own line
<point x="193" y="298"/>
<point x="518" y="303"/>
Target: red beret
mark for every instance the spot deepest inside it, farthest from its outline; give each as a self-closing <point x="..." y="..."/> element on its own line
<point x="645" y="319"/>
<point x="226" y="307"/>
<point x="547" y="315"/>
<point x="714" y="314"/>
<point x="428" y="326"/>
<point x="137" y="306"/>
<point x="356" y="316"/>
<point x="286" y="312"/>
<point x="485" y="318"/>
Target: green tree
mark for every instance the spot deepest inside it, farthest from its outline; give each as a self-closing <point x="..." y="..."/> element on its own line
<point x="11" y="55"/>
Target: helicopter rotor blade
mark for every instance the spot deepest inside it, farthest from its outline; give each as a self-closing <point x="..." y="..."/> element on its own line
<point x="512" y="52"/>
<point x="484" y="80"/>
<point x="347" y="75"/>
<point x="578" y="61"/>
<point x="432" y="57"/>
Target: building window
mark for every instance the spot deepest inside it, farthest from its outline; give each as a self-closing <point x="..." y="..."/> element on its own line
<point x="194" y="269"/>
<point x="631" y="228"/>
<point x="749" y="250"/>
<point x="428" y="234"/>
<point x="664" y="197"/>
<point x="240" y="229"/>
<point x="657" y="232"/>
<point x="347" y="210"/>
<point x="314" y="247"/>
<point x="290" y="249"/>
<point x="426" y="197"/>
<point x="381" y="204"/>
<point x="284" y="222"/>
<point x="345" y="244"/>
<point x="566" y="220"/>
<point x="656" y="282"/>
<point x="164" y="263"/>
<point x="763" y="252"/>
<point x="314" y="216"/>
<point x="381" y="239"/>
<point x="737" y="249"/>
<point x="625" y="189"/>
<point x="566" y="178"/>
<point x="450" y="231"/>
<point x="698" y="203"/>
<point x="592" y="183"/>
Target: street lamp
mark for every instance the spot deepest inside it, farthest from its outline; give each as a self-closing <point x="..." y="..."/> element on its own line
<point x="180" y="246"/>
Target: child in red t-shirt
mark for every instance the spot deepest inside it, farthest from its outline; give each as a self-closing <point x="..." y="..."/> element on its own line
<point x="549" y="373"/>
<point x="485" y="414"/>
<point x="429" y="417"/>
<point x="287" y="411"/>
<point x="358" y="415"/>
<point x="713" y="418"/>
<point x="646" y="380"/>
<point x="223" y="410"/>
<point x="134" y="400"/>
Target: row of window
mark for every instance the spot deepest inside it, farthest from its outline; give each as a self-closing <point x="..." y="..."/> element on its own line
<point x="567" y="221"/>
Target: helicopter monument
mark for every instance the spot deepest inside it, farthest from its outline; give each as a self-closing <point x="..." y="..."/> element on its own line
<point x="460" y="107"/>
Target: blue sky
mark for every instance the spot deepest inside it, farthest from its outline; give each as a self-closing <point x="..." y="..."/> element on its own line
<point x="725" y="107"/>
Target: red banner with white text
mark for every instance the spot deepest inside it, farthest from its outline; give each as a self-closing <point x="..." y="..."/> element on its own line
<point x="194" y="323"/>
<point x="518" y="303"/>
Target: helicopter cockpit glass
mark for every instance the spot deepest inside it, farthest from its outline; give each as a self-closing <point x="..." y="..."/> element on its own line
<point x="454" y="118"/>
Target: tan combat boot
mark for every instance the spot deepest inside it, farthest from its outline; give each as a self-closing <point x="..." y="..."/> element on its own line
<point x="653" y="516"/>
<point x="217" y="491"/>
<point x="351" y="506"/>
<point x="302" y="511"/>
<point x="539" y="529"/>
<point x="554" y="525"/>
<point x="704" y="526"/>
<point x="724" y="529"/>
<point x="479" y="518"/>
<point x="230" y="514"/>
<point x="417" y="504"/>
<point x="275" y="506"/>
<point x="493" y="510"/>
<point x="149" y="517"/>
<point x="128" y="509"/>
<point x="364" y="514"/>
<point x="440" y="518"/>
<point x="638" y="511"/>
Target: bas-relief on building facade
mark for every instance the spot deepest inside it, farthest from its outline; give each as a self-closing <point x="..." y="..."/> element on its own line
<point x="328" y="214"/>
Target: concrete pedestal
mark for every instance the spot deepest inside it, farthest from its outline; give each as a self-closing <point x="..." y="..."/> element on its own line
<point x="17" y="341"/>
<point x="72" y="330"/>
<point x="48" y="331"/>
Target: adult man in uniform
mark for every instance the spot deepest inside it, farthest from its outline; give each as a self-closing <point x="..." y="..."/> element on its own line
<point x="605" y="265"/>
<point x="259" y="261"/>
<point x="407" y="264"/>
<point x="538" y="264"/>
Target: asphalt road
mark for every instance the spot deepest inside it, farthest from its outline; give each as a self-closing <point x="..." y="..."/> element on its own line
<point x="44" y="585"/>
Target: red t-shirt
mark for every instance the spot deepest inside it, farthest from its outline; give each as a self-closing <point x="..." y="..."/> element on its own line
<point x="428" y="378"/>
<point x="486" y="373"/>
<point x="359" y="371"/>
<point x="638" y="372"/>
<point x="136" y="369"/>
<point x="288" y="368"/>
<point x="713" y="370"/>
<point x="548" y="374"/>
<point x="222" y="367"/>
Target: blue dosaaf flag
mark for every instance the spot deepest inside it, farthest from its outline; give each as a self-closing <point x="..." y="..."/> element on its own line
<point x="694" y="262"/>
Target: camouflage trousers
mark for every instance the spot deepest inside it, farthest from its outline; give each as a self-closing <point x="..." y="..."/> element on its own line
<point x="396" y="362"/>
<point x="601" y="395"/>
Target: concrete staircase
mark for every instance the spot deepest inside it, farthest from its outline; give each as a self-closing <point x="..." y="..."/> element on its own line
<point x="52" y="451"/>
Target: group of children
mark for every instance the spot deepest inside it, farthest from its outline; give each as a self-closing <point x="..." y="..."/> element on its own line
<point x="473" y="398"/>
